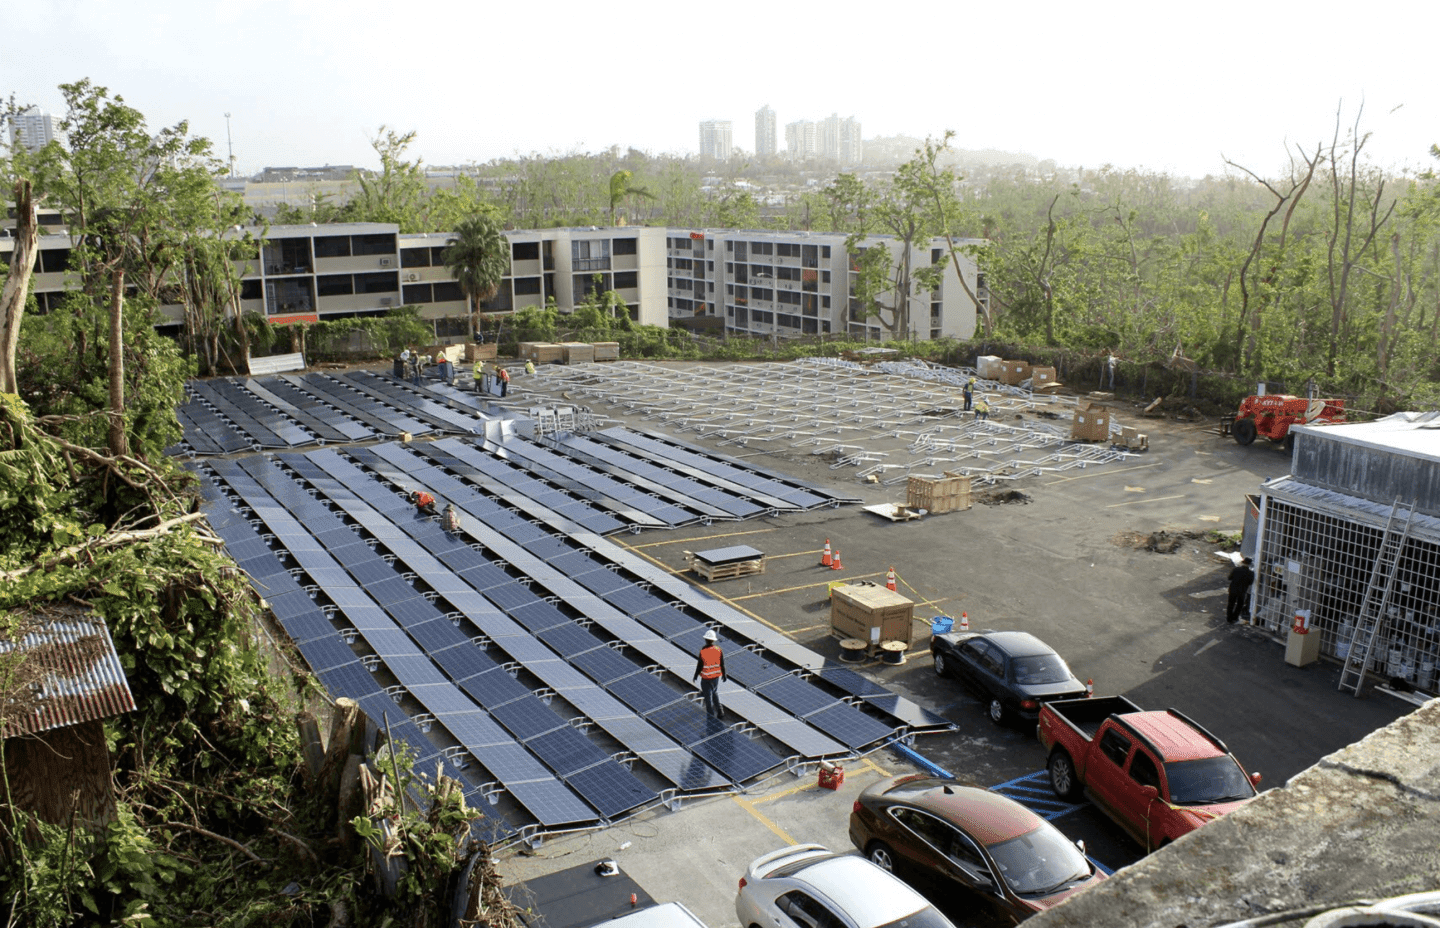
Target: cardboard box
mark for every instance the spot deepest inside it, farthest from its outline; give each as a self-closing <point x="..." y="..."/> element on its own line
<point x="607" y="351"/>
<point x="1014" y="373"/>
<point x="987" y="366"/>
<point x="1042" y="378"/>
<point x="483" y="352"/>
<point x="950" y="493"/>
<point x="870" y="613"/>
<point x="1092" y="423"/>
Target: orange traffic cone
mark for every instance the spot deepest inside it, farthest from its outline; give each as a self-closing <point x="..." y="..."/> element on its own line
<point x="1089" y="687"/>
<point x="825" y="558"/>
<point x="890" y="580"/>
<point x="835" y="564"/>
<point x="964" y="621"/>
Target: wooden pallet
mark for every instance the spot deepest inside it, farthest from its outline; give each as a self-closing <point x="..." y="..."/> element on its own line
<point x="713" y="572"/>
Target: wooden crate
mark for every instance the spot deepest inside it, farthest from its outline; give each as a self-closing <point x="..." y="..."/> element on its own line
<point x="950" y="493"/>
<point x="856" y="609"/>
<point x="578" y="352"/>
<point x="1042" y="378"/>
<point x="481" y="352"/>
<point x="541" y="352"/>
<point x="607" y="351"/>
<point x="1014" y="373"/>
<point x="987" y="366"/>
<point x="713" y="572"/>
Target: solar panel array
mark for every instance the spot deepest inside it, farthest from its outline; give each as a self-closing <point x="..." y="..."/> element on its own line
<point x="546" y="668"/>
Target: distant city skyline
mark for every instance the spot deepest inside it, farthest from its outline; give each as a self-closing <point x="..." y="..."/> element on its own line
<point x="1166" y="89"/>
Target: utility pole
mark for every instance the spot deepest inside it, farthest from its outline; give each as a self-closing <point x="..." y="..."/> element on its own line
<point x="229" y="145"/>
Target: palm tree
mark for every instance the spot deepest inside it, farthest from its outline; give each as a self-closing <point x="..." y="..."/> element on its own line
<point x="620" y="188"/>
<point x="478" y="258"/>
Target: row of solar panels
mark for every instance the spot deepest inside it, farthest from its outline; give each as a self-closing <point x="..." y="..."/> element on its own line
<point x="458" y="622"/>
<point x="642" y="479"/>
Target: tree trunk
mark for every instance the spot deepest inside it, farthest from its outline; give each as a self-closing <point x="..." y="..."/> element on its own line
<point x="17" y="285"/>
<point x="117" y="442"/>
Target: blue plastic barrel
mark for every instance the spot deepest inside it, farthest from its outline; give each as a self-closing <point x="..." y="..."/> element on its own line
<point x="941" y="624"/>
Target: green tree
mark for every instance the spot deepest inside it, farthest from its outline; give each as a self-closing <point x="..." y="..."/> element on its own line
<point x="478" y="259"/>
<point x="398" y="192"/>
<point x="622" y="188"/>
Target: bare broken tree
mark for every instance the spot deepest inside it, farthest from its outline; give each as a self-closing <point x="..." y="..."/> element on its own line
<point x="1246" y="348"/>
<point x="17" y="285"/>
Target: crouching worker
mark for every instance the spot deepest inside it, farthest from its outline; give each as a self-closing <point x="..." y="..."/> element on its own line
<point x="424" y="502"/>
<point x="450" y="521"/>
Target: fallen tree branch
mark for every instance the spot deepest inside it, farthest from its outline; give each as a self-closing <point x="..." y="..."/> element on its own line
<point x="221" y="838"/>
<point x="113" y="540"/>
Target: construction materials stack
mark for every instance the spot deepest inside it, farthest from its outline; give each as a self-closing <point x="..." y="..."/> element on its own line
<point x="950" y="493"/>
<point x="870" y="613"/>
<point x="542" y="352"/>
<point x="1092" y="423"/>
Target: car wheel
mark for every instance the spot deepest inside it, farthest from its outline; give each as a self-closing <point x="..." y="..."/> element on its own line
<point x="997" y="712"/>
<point x="1243" y="430"/>
<point x="879" y="854"/>
<point x="1063" y="781"/>
<point x="940" y="668"/>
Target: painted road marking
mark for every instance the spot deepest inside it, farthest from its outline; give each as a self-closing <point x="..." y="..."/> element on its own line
<point x="1158" y="499"/>
<point x="1134" y="489"/>
<point x="1212" y="643"/>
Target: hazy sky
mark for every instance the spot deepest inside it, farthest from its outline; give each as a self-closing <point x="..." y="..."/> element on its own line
<point x="1163" y="86"/>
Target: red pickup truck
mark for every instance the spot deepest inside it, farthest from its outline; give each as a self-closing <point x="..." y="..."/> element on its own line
<point x="1158" y="774"/>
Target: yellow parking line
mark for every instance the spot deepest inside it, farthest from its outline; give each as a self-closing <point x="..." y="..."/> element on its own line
<point x="749" y="806"/>
<point x="690" y="541"/>
<point x="1102" y="473"/>
<point x="806" y="586"/>
<point x="1132" y="502"/>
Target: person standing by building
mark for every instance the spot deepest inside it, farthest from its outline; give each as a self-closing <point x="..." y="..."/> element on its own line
<point x="1241" y="576"/>
<point x="479" y="374"/>
<point x="504" y="377"/>
<point x="1111" y="363"/>
<point x="529" y="368"/>
<point x="969" y="393"/>
<point x="710" y="670"/>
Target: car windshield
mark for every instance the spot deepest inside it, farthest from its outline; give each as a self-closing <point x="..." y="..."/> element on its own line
<point x="1213" y="779"/>
<point x="928" y="917"/>
<point x="1040" y="862"/>
<point x="1040" y="668"/>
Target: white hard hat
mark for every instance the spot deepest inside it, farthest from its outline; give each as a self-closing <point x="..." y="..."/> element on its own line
<point x="710" y="635"/>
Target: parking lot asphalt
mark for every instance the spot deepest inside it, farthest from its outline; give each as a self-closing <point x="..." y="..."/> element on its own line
<point x="1071" y="565"/>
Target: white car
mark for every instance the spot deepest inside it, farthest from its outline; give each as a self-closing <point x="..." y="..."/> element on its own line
<point x="806" y="886"/>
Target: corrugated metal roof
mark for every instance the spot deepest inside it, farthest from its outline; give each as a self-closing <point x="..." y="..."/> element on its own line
<point x="1413" y="433"/>
<point x="75" y="675"/>
<point x="1361" y="510"/>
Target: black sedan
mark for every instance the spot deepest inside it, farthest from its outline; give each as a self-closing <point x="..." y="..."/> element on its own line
<point x="1013" y="672"/>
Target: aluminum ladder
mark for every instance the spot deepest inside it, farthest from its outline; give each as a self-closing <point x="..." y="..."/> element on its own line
<point x="1371" y="620"/>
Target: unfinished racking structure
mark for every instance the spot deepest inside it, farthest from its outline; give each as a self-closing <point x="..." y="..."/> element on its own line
<point x="1353" y="536"/>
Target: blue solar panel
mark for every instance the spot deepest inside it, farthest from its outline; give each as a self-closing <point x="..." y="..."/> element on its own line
<point x="327" y="653"/>
<point x="552" y="803"/>
<point x="566" y="751"/>
<point x="795" y="695"/>
<point x="494" y="688"/>
<point x="850" y="681"/>
<point x="569" y="639"/>
<point x="350" y="680"/>
<point x="538" y="616"/>
<point x="475" y="730"/>
<point x="611" y="789"/>
<point x="750" y="669"/>
<point x="686" y="770"/>
<point x="604" y="665"/>
<point x="526" y="717"/>
<point x="686" y="722"/>
<point x="849" y="725"/>
<point x="464" y="660"/>
<point x="736" y="756"/>
<point x="643" y="692"/>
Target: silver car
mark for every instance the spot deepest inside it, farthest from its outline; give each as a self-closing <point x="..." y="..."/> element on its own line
<point x="806" y="886"/>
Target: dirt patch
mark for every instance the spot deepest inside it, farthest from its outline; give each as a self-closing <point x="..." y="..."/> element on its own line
<point x="999" y="497"/>
<point x="1159" y="542"/>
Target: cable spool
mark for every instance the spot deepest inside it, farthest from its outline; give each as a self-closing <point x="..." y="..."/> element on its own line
<point x="852" y="650"/>
<point x="893" y="651"/>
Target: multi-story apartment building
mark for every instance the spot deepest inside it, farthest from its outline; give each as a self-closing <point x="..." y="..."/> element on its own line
<point x="765" y="283"/>
<point x="802" y="140"/>
<point x="34" y="129"/>
<point x="832" y="139"/>
<point x="716" y="139"/>
<point x="308" y="273"/>
<point x="765" y="140"/>
<point x="788" y="284"/>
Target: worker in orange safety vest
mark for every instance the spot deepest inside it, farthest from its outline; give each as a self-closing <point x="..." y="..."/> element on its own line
<point x="710" y="670"/>
<point x="423" y="501"/>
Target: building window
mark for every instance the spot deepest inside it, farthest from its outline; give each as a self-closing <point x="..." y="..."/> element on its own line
<point x="414" y="257"/>
<point x="527" y="286"/>
<point x="449" y="292"/>
<point x="373" y="244"/>
<point x="626" y="279"/>
<point x="376" y="283"/>
<point x="626" y="246"/>
<point x="525" y="251"/>
<point x="417" y="293"/>
<point x="332" y="246"/>
<point x="335" y="285"/>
